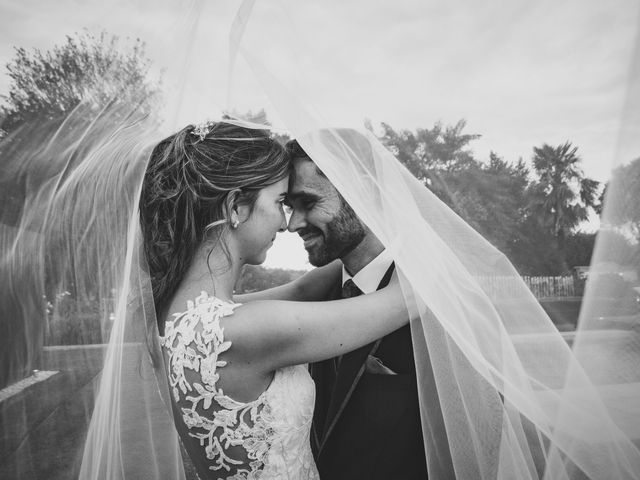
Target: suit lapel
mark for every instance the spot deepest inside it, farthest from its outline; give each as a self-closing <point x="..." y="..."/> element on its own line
<point x="324" y="375"/>
<point x="351" y="369"/>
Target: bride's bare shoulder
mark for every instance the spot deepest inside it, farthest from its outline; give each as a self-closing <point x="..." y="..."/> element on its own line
<point x="254" y="323"/>
<point x="210" y="328"/>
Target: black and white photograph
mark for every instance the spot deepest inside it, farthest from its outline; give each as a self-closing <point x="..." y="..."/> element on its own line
<point x="319" y="240"/>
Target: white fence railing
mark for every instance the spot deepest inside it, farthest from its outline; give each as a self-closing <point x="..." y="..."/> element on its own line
<point x="541" y="287"/>
<point x="551" y="286"/>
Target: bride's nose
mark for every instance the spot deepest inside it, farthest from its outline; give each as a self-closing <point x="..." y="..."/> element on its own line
<point x="283" y="223"/>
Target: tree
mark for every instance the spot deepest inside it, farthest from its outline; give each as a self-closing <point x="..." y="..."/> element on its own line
<point x="439" y="157"/>
<point x="562" y="195"/>
<point x="620" y="216"/>
<point x="490" y="196"/>
<point x="580" y="249"/>
<point x="255" y="278"/>
<point x="530" y="221"/>
<point x="260" y="118"/>
<point x="83" y="75"/>
<point x="429" y="152"/>
<point x="49" y="85"/>
<point x="622" y="196"/>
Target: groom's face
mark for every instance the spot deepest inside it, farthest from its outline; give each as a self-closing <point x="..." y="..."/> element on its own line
<point x="326" y="223"/>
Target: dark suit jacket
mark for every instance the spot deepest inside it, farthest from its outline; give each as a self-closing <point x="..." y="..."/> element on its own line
<point x="367" y="426"/>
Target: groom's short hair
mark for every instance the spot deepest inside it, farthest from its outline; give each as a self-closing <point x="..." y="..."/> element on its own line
<point x="343" y="141"/>
<point x="294" y="151"/>
<point x="354" y="145"/>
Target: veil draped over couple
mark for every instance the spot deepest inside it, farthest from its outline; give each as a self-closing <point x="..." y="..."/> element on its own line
<point x="413" y="350"/>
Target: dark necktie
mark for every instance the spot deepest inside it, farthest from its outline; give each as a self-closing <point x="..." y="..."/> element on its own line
<point x="350" y="289"/>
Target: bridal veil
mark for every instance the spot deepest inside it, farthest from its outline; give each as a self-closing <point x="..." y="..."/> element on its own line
<point x="503" y="394"/>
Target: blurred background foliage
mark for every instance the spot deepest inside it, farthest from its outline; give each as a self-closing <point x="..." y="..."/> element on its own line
<point x="538" y="210"/>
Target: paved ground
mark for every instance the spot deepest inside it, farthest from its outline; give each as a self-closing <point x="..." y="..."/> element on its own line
<point x="563" y="312"/>
<point x="44" y="428"/>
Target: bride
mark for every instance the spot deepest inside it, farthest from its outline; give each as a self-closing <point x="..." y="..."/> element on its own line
<point x="212" y="201"/>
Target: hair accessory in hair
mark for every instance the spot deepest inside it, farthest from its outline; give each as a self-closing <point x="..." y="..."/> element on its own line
<point x="202" y="129"/>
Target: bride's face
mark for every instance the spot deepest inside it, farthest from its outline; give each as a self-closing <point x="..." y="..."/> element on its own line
<point x="257" y="230"/>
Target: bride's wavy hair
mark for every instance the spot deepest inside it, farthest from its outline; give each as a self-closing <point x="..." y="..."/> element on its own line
<point x="193" y="181"/>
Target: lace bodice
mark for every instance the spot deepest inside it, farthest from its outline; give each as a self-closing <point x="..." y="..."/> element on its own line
<point x="265" y="439"/>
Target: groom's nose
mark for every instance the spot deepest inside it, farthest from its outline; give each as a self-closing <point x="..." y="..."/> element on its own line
<point x="296" y="221"/>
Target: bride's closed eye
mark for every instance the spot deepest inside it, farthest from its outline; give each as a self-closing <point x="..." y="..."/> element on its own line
<point x="285" y="205"/>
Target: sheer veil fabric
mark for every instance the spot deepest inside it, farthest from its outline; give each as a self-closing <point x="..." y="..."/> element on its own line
<point x="515" y="400"/>
<point x="502" y="394"/>
<point x="79" y="234"/>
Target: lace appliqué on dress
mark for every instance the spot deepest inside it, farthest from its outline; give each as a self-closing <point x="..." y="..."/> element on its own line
<point x="194" y="341"/>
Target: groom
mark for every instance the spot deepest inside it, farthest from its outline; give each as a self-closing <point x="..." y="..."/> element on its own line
<point x="367" y="420"/>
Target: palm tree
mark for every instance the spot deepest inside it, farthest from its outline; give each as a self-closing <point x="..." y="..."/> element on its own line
<point x="562" y="196"/>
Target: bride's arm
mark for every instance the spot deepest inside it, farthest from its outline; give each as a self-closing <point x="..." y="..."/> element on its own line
<point x="273" y="334"/>
<point x="312" y="286"/>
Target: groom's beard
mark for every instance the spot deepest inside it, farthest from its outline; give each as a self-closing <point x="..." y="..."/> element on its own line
<point x="344" y="233"/>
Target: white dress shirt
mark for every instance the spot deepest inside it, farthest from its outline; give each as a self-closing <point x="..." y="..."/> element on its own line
<point x="370" y="276"/>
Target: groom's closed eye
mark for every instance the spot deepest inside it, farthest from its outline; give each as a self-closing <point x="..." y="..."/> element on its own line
<point x="301" y="201"/>
<point x="307" y="203"/>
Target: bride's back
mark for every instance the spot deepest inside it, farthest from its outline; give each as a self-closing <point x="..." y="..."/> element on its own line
<point x="226" y="435"/>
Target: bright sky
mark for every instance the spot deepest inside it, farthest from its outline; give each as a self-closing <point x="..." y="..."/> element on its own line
<point x="520" y="72"/>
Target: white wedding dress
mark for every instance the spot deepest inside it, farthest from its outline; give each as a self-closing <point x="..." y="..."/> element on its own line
<point x="265" y="439"/>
